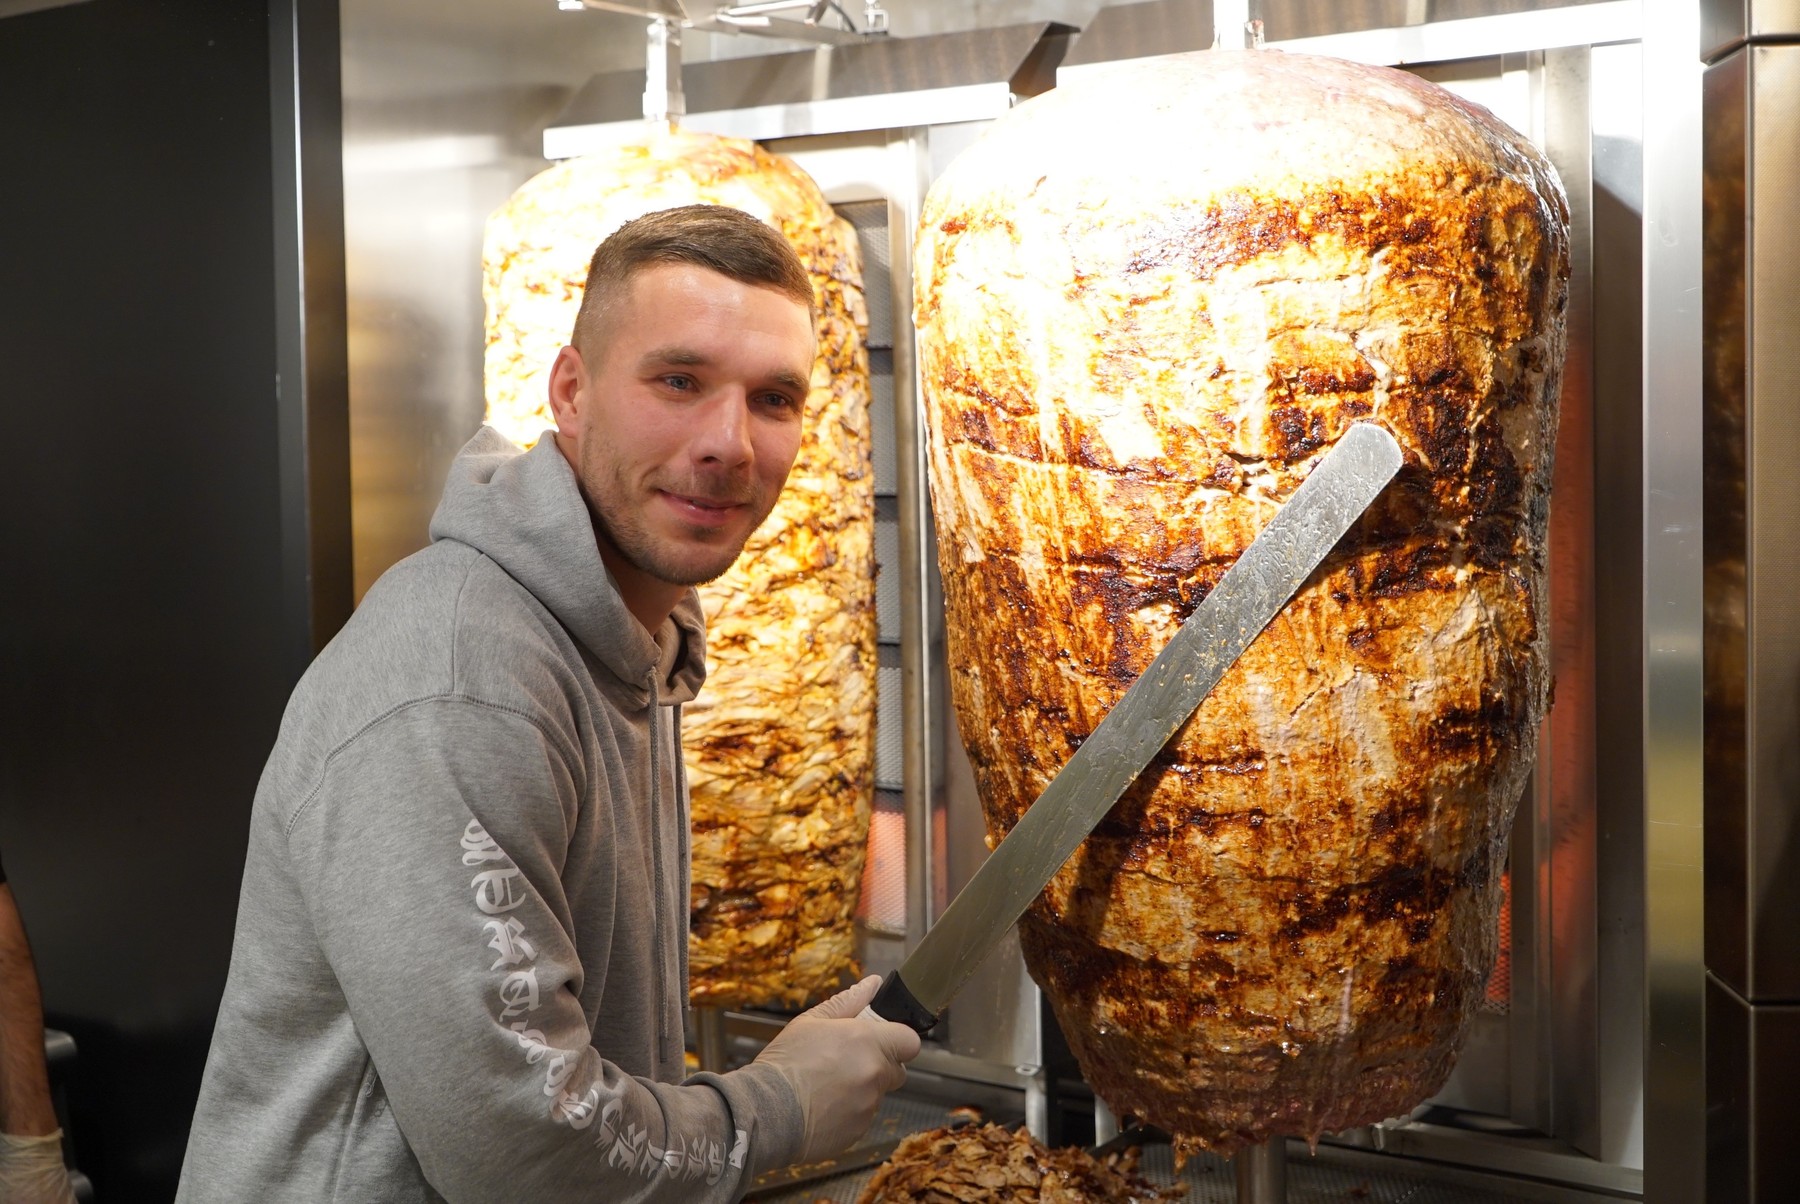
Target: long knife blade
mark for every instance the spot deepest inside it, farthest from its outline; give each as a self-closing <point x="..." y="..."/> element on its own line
<point x="1246" y="598"/>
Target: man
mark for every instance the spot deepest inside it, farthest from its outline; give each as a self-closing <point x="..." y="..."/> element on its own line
<point x="31" y="1160"/>
<point x="461" y="951"/>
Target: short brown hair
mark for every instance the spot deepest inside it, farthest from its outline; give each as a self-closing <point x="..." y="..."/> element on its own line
<point x="728" y="241"/>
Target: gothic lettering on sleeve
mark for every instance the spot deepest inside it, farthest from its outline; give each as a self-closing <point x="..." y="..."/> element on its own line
<point x="498" y="890"/>
<point x="478" y="846"/>
<point x="519" y="992"/>
<point x="509" y="942"/>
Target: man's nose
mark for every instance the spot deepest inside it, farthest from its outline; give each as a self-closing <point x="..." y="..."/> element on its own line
<point x="724" y="434"/>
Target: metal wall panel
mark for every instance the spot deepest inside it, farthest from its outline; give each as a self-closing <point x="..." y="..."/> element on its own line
<point x="1752" y="1111"/>
<point x="1772" y="448"/>
<point x="1616" y="85"/>
<point x="1727" y="24"/>
<point x="444" y="105"/>
<point x="1752" y="313"/>
<point x="156" y="608"/>
<point x="312" y="376"/>
<point x="1152" y="27"/>
<point x="1673" y="821"/>
<point x="1727" y="809"/>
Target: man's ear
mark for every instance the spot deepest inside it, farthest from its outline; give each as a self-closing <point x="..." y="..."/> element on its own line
<point x="568" y="380"/>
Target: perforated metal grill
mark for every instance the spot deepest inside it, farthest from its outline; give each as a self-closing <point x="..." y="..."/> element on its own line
<point x="881" y="423"/>
<point x="870" y="219"/>
<point x="887" y="577"/>
<point x="889" y="756"/>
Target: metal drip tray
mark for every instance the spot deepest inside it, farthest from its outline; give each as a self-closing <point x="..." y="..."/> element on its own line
<point x="1332" y="1176"/>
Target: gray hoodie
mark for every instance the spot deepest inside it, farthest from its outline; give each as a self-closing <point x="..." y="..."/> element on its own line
<point x="461" y="951"/>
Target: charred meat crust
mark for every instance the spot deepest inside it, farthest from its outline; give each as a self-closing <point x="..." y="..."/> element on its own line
<point x="1284" y="925"/>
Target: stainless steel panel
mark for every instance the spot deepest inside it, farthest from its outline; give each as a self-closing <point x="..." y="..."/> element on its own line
<point x="1674" y="1102"/>
<point x="1135" y="31"/>
<point x="14" y="8"/>
<point x="998" y="1015"/>
<point x="1614" y="109"/>
<point x="1566" y="760"/>
<point x="1727" y="24"/>
<point x="444" y="102"/>
<point x="1752" y="313"/>
<point x="1727" y="668"/>
<point x="1142" y="30"/>
<point x="1729" y="1093"/>
<point x="312" y="380"/>
<point x="1548" y="1068"/>
<point x="1752" y="1111"/>
<point x="148" y="631"/>
<point x="1530" y="28"/>
<point x="1772" y="437"/>
<point x="921" y="617"/>
<point x="1310" y="18"/>
<point x="1022" y="56"/>
<point x="1521" y="1154"/>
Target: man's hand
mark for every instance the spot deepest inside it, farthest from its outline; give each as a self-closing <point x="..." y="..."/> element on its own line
<point x="840" y="1064"/>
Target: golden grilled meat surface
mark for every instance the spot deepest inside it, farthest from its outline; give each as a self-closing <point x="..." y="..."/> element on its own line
<point x="989" y="1164"/>
<point x="1148" y="303"/>
<point x="780" y="742"/>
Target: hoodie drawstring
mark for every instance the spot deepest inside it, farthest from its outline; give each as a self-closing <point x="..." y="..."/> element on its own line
<point x="659" y="877"/>
<point x="683" y="854"/>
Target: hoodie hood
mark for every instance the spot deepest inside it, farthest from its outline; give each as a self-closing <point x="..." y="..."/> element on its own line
<point x="524" y="511"/>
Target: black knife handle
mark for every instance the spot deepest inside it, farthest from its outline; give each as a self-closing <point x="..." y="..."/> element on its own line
<point x="894" y="1002"/>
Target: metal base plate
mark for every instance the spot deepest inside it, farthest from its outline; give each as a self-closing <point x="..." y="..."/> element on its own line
<point x="1333" y="1176"/>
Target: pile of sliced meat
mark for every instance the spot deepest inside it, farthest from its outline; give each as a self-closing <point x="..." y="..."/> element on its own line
<point x="988" y="1164"/>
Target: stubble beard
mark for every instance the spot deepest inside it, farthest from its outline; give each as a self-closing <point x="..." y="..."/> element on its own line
<point x="609" y="494"/>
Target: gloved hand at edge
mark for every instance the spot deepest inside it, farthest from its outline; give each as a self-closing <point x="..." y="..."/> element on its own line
<point x="840" y="1064"/>
<point x="31" y="1170"/>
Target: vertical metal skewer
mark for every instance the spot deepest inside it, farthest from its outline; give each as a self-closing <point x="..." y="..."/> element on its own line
<point x="1237" y="25"/>
<point x="1106" y="1125"/>
<point x="663" y="97"/>
<point x="1262" y="1173"/>
<point x="709" y="1038"/>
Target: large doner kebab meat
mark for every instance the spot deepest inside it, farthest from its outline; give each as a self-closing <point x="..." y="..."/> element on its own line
<point x="1148" y="302"/>
<point x="780" y="742"/>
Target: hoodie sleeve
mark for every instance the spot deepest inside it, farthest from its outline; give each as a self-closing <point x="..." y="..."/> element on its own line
<point x="460" y="974"/>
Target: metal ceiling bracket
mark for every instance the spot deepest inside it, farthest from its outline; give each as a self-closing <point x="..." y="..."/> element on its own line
<point x="758" y="17"/>
<point x="663" y="97"/>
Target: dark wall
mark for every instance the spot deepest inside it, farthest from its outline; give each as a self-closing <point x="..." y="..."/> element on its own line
<point x="145" y="649"/>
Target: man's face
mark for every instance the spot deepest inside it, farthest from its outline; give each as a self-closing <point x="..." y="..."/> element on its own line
<point x="683" y="423"/>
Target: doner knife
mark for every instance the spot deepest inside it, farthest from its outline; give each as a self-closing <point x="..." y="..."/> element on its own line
<point x="1250" y="593"/>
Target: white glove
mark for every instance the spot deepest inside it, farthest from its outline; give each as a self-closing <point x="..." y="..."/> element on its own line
<point x="840" y="1064"/>
<point x="31" y="1170"/>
